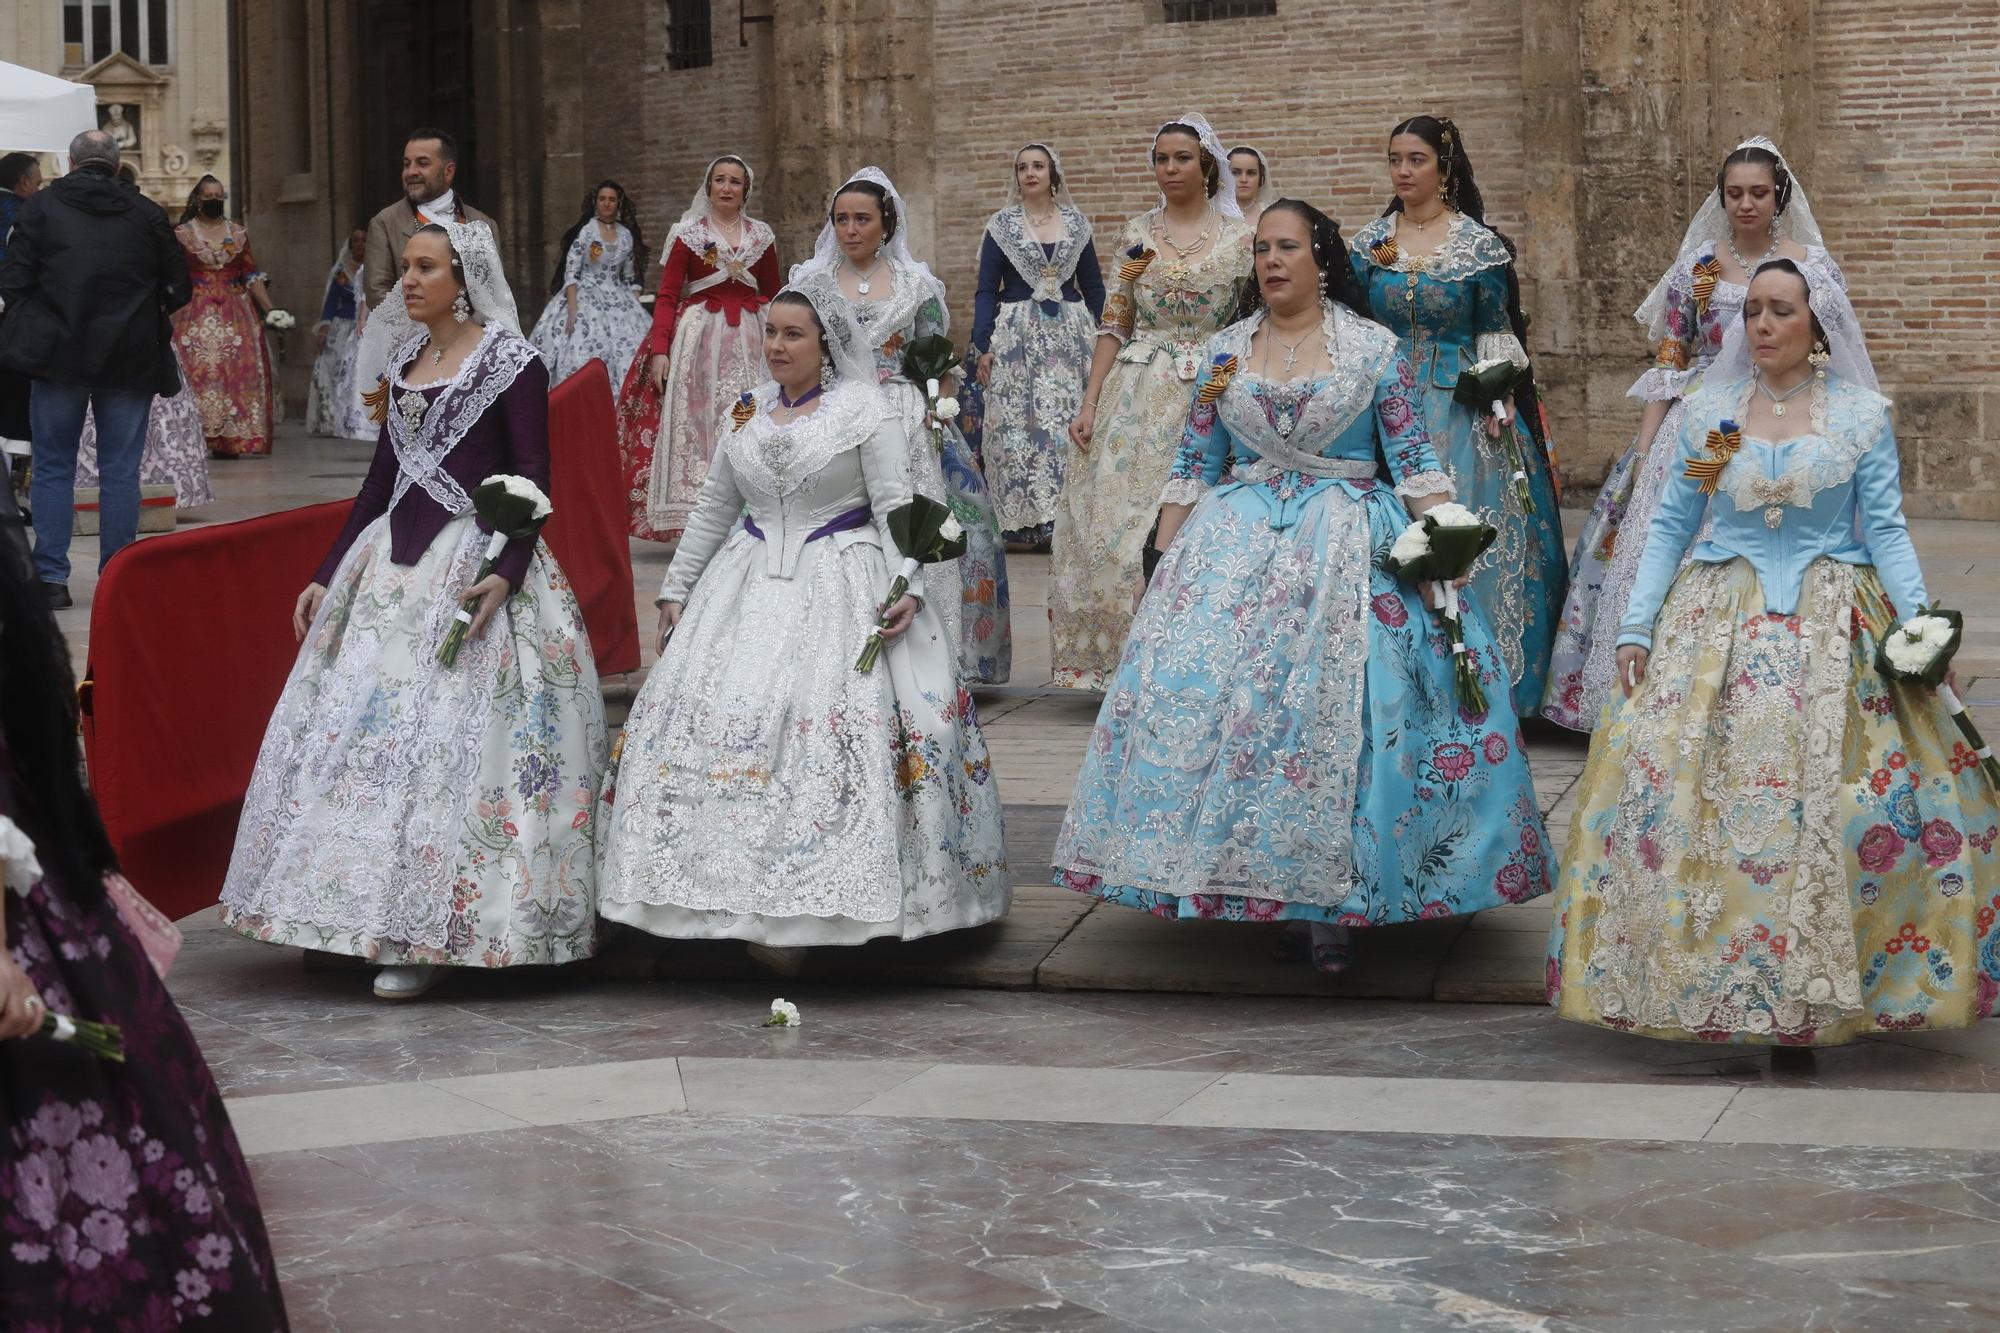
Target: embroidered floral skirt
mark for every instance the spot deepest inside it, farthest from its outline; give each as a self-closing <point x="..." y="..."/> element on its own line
<point x="1281" y="740"/>
<point x="766" y="790"/>
<point x="125" y="1202"/>
<point x="408" y="812"/>
<point x="333" y="405"/>
<point x="175" y="454"/>
<point x="1603" y="568"/>
<point x="665" y="443"/>
<point x="226" y="366"/>
<point x="1040" y="365"/>
<point x="610" y="326"/>
<point x="1771" y="843"/>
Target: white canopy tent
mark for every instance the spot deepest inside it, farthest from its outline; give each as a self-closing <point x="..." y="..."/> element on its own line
<point x="40" y="113"/>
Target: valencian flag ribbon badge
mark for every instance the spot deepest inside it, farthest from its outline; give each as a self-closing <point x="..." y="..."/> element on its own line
<point x="1722" y="444"/>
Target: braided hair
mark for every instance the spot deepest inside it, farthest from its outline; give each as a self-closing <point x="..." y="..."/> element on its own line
<point x="628" y="215"/>
<point x="1781" y="179"/>
<point x="1329" y="254"/>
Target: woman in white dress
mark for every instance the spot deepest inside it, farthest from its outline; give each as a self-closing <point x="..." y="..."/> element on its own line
<point x="596" y="313"/>
<point x="765" y="789"/>
<point x="863" y="272"/>
<point x="402" y="810"/>
<point x="333" y="406"/>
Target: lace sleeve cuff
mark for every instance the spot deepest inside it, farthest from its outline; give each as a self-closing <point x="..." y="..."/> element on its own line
<point x="1183" y="491"/>
<point x="1420" y="484"/>
<point x="1489" y="345"/>
<point x="1660" y="384"/>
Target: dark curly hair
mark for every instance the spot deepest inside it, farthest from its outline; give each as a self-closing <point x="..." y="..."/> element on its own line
<point x="1211" y="170"/>
<point x="627" y="214"/>
<point x="1781" y="179"/>
<point x="1329" y="253"/>
<point x="882" y="202"/>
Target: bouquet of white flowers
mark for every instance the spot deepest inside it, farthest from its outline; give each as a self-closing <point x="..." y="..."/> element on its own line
<point x="1440" y="548"/>
<point x="513" y="507"/>
<point x="1919" y="652"/>
<point x="927" y="533"/>
<point x="1483" y="388"/>
<point x="281" y="320"/>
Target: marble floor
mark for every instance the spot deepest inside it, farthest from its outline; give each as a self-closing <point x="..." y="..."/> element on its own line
<point x="1088" y="1122"/>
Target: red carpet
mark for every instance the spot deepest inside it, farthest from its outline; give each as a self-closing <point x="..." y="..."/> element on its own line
<point x="191" y="642"/>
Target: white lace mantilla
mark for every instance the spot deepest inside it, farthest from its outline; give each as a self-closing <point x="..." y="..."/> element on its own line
<point x="735" y="261"/>
<point x="424" y="431"/>
<point x="1045" y="273"/>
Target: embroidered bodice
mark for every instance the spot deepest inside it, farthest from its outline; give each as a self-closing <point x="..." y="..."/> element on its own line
<point x="1169" y="307"/>
<point x="592" y="261"/>
<point x="1835" y="492"/>
<point x="847" y="454"/>
<point x="1014" y="266"/>
<point x="1450" y="306"/>
<point x="1701" y="310"/>
<point x="703" y="268"/>
<point x="1288" y="437"/>
<point x="914" y="308"/>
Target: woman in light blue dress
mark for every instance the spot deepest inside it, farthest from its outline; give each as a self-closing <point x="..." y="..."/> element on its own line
<point x="1281" y="740"/>
<point x="1445" y="284"/>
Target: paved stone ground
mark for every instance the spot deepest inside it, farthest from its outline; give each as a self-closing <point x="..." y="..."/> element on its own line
<point x="624" y="1148"/>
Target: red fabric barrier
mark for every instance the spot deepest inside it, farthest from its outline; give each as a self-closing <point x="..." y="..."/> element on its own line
<point x="191" y="642"/>
<point x="588" y="531"/>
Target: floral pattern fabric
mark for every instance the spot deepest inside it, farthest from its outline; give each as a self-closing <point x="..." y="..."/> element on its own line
<point x="610" y="322"/>
<point x="1281" y="740"/>
<point x="1772" y="843"/>
<point x="175" y="454"/>
<point x="333" y="401"/>
<point x="404" y="811"/>
<point x="1163" y="315"/>
<point x="125" y="1202"/>
<point x="1450" y="310"/>
<point x="225" y="361"/>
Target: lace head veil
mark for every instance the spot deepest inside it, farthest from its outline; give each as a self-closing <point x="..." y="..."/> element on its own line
<point x="826" y="250"/>
<point x="1224" y="200"/>
<point x="1710" y="228"/>
<point x="1267" y="193"/>
<point x="1060" y="194"/>
<point x="701" y="209"/>
<point x="853" y="359"/>
<point x="1828" y="301"/>
<point x="485" y="280"/>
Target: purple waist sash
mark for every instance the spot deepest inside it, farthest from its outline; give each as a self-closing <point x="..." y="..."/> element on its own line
<point x="858" y="517"/>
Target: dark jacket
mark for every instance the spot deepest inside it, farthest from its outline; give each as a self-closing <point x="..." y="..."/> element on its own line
<point x="91" y="274"/>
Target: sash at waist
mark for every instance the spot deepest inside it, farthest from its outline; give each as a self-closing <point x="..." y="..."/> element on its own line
<point x="1313" y="465"/>
<point x="858" y="517"/>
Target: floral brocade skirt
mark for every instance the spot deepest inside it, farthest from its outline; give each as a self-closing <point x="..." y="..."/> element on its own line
<point x="174" y="454"/>
<point x="1281" y="740"/>
<point x="404" y="811"/>
<point x="1772" y="843"/>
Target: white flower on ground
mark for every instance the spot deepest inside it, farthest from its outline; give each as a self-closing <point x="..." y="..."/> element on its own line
<point x="1452" y="514"/>
<point x="1412" y="544"/>
<point x="17" y="857"/>
<point x="784" y="1014"/>
<point x="951" y="529"/>
<point x="947" y="408"/>
<point x="522" y="488"/>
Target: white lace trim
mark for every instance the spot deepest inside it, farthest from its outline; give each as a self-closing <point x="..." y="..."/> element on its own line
<point x="1359" y="351"/>
<point x="1420" y="484"/>
<point x="1487" y="346"/>
<point x="779" y="459"/>
<point x="1184" y="491"/>
<point x="1044" y="274"/>
<point x="1468" y="249"/>
<point x="423" y="437"/>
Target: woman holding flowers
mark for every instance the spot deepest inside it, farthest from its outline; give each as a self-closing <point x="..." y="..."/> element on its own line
<point x="413" y="804"/>
<point x="1445" y="284"/>
<point x="705" y="348"/>
<point x="862" y="272"/>
<point x="1040" y="297"/>
<point x="766" y="788"/>
<point x="1181" y="268"/>
<point x="1774" y="842"/>
<point x="1282" y="740"/>
<point x="1757" y="211"/>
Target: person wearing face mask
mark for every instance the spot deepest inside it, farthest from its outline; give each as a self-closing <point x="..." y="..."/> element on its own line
<point x="1281" y="742"/>
<point x="1180" y="269"/>
<point x="765" y="790"/>
<point x="430" y="194"/>
<point x="706" y="346"/>
<point x="1758" y="211"/>
<point x="219" y="335"/>
<point x="1774" y="843"/>
<point x="863" y="271"/>
<point x="405" y="810"/>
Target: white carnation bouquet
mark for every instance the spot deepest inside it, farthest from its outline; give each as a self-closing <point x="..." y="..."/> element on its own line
<point x="513" y="507"/>
<point x="927" y="533"/>
<point x="1440" y="549"/>
<point x="281" y="320"/>
<point x="1918" y="652"/>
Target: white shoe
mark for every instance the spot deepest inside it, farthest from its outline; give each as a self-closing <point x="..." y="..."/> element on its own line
<point x="786" y="962"/>
<point x="405" y="981"/>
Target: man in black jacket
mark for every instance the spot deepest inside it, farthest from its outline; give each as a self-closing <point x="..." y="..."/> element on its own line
<point x="92" y="272"/>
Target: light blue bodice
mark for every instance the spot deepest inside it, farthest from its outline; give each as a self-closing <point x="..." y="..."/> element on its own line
<point x="1835" y="492"/>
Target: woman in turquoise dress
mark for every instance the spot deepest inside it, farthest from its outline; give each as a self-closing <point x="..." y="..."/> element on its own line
<point x="1281" y="741"/>
<point x="1773" y="843"/>
<point x="1445" y="284"/>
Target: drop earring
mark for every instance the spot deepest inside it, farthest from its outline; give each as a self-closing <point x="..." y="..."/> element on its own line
<point x="1819" y="356"/>
<point x="461" y="309"/>
<point x="825" y="373"/>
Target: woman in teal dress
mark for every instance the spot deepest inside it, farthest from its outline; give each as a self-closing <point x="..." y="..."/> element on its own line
<point x="1281" y="741"/>
<point x="1444" y="282"/>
